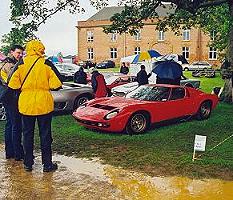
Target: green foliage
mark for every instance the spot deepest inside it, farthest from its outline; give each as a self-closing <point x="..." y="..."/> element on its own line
<point x="183" y="15"/>
<point x="28" y="15"/>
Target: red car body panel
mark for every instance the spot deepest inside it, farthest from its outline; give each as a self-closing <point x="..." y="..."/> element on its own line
<point x="97" y="109"/>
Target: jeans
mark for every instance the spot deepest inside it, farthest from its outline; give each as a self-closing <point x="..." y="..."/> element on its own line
<point x="44" y="124"/>
<point x="13" y="131"/>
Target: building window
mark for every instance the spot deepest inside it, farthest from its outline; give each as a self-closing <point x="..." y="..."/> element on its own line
<point x="212" y="53"/>
<point x="212" y="35"/>
<point x="90" y="53"/>
<point x="113" y="37"/>
<point x="185" y="52"/>
<point x="113" y="53"/>
<point x="137" y="50"/>
<point x="137" y="36"/>
<point x="161" y="36"/>
<point x="90" y="36"/>
<point x="186" y="35"/>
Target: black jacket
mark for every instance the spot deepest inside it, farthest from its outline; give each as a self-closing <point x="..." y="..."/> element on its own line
<point x="80" y="77"/>
<point x="124" y="70"/>
<point x="142" y="77"/>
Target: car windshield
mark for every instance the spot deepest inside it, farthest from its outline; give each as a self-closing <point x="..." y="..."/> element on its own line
<point x="150" y="93"/>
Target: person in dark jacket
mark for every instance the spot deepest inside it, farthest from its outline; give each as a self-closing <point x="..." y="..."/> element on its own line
<point x="142" y="76"/>
<point x="13" y="126"/>
<point x="98" y="83"/>
<point x="80" y="76"/>
<point x="124" y="69"/>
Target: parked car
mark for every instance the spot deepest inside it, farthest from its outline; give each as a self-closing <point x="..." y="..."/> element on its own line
<point x="71" y="96"/>
<point x="106" y="64"/>
<point x="67" y="70"/>
<point x="147" y="105"/>
<point x="209" y="73"/>
<point x="87" y="64"/>
<point x="122" y="90"/>
<point x="116" y="80"/>
<point x="200" y="65"/>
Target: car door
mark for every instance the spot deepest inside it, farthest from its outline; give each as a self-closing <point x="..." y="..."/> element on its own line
<point x="179" y="103"/>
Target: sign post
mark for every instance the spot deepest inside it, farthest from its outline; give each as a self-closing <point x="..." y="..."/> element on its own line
<point x="199" y="145"/>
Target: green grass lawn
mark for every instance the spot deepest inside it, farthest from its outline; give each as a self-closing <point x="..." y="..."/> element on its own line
<point x="163" y="150"/>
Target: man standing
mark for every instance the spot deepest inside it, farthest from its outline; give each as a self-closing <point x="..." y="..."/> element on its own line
<point x="124" y="69"/>
<point x="36" y="102"/>
<point x="142" y="76"/>
<point x="13" y="127"/>
<point x="98" y="83"/>
<point x="80" y="76"/>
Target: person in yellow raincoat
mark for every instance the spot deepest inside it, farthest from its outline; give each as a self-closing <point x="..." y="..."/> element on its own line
<point x="36" y="102"/>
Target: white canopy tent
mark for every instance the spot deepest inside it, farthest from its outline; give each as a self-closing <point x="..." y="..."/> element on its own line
<point x="128" y="59"/>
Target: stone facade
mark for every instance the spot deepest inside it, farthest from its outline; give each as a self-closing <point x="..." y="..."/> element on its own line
<point x="125" y="44"/>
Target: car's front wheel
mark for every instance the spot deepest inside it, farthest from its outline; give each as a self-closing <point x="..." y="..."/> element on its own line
<point x="80" y="100"/>
<point x="138" y="123"/>
<point x="204" y="110"/>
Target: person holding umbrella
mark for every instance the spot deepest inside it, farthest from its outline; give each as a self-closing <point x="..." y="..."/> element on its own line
<point x="142" y="76"/>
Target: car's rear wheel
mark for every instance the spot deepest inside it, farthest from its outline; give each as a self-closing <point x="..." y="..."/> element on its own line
<point x="2" y="112"/>
<point x="204" y="110"/>
<point x="80" y="100"/>
<point x="138" y="123"/>
<point x="186" y="69"/>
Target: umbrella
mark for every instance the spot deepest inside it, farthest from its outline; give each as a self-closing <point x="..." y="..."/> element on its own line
<point x="146" y="55"/>
<point x="174" y="57"/>
<point x="167" y="69"/>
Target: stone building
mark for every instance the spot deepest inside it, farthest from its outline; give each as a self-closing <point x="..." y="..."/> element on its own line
<point x="95" y="45"/>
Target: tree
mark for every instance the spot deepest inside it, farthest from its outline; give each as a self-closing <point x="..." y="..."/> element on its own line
<point x="28" y="15"/>
<point x="207" y="14"/>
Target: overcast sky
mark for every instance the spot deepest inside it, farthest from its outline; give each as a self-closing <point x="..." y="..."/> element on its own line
<point x="59" y="32"/>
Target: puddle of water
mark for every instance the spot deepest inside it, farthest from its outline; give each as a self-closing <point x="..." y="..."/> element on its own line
<point x="138" y="186"/>
<point x="85" y="179"/>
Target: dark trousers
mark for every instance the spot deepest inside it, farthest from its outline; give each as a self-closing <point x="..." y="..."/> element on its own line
<point x="44" y="124"/>
<point x="13" y="131"/>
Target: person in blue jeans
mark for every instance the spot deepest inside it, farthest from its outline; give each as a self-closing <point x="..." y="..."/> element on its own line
<point x="13" y="127"/>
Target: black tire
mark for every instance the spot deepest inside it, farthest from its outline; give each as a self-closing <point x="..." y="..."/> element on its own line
<point x="186" y="69"/>
<point x="80" y="100"/>
<point x="137" y="123"/>
<point x="2" y="113"/>
<point x="204" y="111"/>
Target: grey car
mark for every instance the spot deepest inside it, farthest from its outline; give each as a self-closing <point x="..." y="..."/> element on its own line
<point x="70" y="97"/>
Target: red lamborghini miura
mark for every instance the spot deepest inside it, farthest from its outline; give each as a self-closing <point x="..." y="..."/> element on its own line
<point x="144" y="106"/>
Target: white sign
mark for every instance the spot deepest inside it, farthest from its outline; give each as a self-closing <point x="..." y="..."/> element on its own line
<point x="199" y="143"/>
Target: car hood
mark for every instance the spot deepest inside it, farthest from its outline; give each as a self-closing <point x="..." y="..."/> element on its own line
<point x="98" y="109"/>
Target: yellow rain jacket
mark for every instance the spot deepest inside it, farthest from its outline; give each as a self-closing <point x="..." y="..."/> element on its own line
<point x="35" y="97"/>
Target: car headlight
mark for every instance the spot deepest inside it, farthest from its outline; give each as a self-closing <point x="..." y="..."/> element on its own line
<point x="111" y="114"/>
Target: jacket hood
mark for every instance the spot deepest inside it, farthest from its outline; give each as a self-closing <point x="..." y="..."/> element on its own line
<point x="35" y="47"/>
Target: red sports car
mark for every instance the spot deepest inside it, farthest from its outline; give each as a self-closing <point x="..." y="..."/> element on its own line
<point x="144" y="106"/>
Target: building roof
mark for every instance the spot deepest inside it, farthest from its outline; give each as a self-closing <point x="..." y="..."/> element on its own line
<point x="107" y="12"/>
